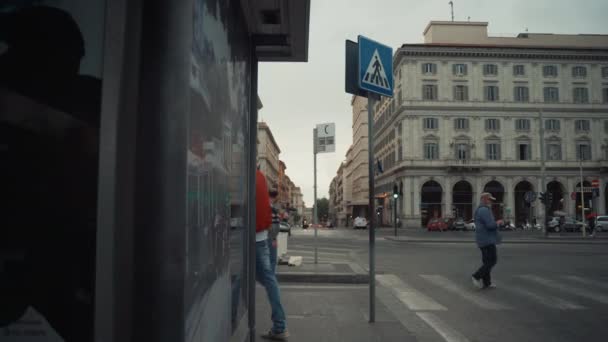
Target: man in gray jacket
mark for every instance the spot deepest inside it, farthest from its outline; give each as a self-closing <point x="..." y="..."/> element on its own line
<point x="486" y="234"/>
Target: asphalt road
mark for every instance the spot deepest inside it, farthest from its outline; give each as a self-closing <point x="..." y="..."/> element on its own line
<point x="545" y="291"/>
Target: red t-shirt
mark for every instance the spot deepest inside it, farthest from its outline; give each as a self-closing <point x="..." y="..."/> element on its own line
<point x="263" y="213"/>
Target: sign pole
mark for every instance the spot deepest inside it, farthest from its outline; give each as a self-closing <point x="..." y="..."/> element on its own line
<point x="315" y="219"/>
<point x="372" y="232"/>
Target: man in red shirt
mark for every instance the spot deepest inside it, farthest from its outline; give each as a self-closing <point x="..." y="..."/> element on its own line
<point x="263" y="270"/>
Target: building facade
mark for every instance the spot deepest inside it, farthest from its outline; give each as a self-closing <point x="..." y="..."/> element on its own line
<point x="471" y="112"/>
<point x="268" y="155"/>
<point x="360" y="172"/>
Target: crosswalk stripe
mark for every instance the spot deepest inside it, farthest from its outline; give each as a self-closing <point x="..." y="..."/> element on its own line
<point x="476" y="299"/>
<point x="411" y="297"/>
<point x="585" y="293"/>
<point x="447" y="332"/>
<point x="588" y="281"/>
<point x="546" y="300"/>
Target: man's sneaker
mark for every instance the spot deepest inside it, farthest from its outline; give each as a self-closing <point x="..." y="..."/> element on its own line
<point x="477" y="283"/>
<point x="271" y="335"/>
<point x="490" y="287"/>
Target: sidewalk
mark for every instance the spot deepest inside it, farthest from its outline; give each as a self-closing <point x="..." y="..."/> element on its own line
<point x="330" y="313"/>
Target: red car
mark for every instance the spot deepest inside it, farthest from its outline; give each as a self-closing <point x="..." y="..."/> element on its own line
<point x="437" y="224"/>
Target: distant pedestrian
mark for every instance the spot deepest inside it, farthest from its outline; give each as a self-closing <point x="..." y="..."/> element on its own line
<point x="591" y="224"/>
<point x="487" y="238"/>
<point x="275" y="228"/>
<point x="263" y="270"/>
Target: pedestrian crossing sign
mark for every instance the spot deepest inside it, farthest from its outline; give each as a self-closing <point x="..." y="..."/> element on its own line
<point x="375" y="67"/>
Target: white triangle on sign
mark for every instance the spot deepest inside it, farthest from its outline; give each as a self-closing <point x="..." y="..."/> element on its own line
<point x="375" y="74"/>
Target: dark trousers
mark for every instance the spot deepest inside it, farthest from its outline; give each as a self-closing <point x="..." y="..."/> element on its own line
<point x="489" y="258"/>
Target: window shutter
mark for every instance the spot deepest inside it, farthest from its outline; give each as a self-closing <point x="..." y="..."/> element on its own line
<point x="465" y="93"/>
<point x="464" y="69"/>
<point x="434" y="68"/>
<point x="454" y="69"/>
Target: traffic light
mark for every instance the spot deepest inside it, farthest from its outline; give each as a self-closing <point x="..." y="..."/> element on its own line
<point x="549" y="198"/>
<point x="395" y="191"/>
<point x="543" y="198"/>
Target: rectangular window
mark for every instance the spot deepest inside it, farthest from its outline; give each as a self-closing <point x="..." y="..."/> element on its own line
<point x="519" y="70"/>
<point x="605" y="72"/>
<point x="431" y="123"/>
<point x="461" y="123"/>
<point x="579" y="71"/>
<point x="522" y="124"/>
<point x="582" y="125"/>
<point x="550" y="71"/>
<point x="521" y="94"/>
<point x="490" y="70"/>
<point x="431" y="151"/>
<point x="492" y="124"/>
<point x="605" y="95"/>
<point x="429" y="92"/>
<point x="554" y="151"/>
<point x="459" y="69"/>
<point x="429" y="68"/>
<point x="581" y="95"/>
<point x="493" y="151"/>
<point x="462" y="151"/>
<point x="551" y="94"/>
<point x="583" y="151"/>
<point x="552" y="125"/>
<point x="461" y="93"/>
<point x="491" y="93"/>
<point x="524" y="151"/>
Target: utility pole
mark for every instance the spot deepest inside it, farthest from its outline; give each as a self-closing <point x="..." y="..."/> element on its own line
<point x="452" y="9"/>
<point x="580" y="159"/>
<point x="541" y="133"/>
<point x="372" y="226"/>
<point x="315" y="214"/>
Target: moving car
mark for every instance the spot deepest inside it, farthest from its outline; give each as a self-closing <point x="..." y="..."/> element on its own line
<point x="553" y="224"/>
<point x="439" y="224"/>
<point x="601" y="223"/>
<point x="285" y="228"/>
<point x="360" y="223"/>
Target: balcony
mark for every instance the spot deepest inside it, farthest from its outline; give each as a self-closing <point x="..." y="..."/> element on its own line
<point x="463" y="165"/>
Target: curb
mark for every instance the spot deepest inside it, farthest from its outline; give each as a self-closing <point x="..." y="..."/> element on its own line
<point x="310" y="277"/>
<point x="521" y="242"/>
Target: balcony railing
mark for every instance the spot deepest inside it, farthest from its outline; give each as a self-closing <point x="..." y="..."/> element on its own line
<point x="484" y="163"/>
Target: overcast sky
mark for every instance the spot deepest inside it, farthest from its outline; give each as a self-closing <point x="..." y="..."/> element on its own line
<point x="297" y="96"/>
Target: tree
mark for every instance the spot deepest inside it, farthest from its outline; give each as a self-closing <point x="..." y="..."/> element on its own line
<point x="322" y="208"/>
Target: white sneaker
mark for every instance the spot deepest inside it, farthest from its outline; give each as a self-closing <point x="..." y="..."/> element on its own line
<point x="490" y="287"/>
<point x="477" y="283"/>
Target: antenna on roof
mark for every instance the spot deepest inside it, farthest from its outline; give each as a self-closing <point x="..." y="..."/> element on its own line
<point x="452" y="9"/>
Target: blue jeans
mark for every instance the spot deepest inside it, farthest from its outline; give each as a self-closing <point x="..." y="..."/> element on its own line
<point x="273" y="254"/>
<point x="266" y="277"/>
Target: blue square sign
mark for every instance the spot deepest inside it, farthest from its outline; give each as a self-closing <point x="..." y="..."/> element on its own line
<point x="375" y="67"/>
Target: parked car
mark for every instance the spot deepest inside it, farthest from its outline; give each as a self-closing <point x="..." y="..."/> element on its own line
<point x="553" y="224"/>
<point x="285" y="227"/>
<point x="439" y="224"/>
<point x="360" y="223"/>
<point x="572" y="225"/>
<point x="601" y="223"/>
<point x="458" y="224"/>
<point x="470" y="224"/>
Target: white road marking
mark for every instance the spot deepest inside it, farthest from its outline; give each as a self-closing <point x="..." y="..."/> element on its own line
<point x="447" y="332"/>
<point x="577" y="291"/>
<point x="475" y="298"/>
<point x="412" y="298"/>
<point x="588" y="281"/>
<point x="546" y="300"/>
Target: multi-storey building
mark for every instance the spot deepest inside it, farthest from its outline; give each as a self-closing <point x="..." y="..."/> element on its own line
<point x="468" y="115"/>
<point x="268" y="155"/>
<point x="360" y="172"/>
<point x="347" y="185"/>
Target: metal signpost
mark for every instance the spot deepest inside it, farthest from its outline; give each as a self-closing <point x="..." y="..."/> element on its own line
<point x="324" y="141"/>
<point x="375" y="75"/>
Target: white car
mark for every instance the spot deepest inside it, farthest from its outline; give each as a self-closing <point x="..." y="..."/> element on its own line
<point x="601" y="223"/>
<point x="360" y="223"/>
<point x="469" y="225"/>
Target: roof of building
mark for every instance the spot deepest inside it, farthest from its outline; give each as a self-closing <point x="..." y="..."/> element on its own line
<point x="264" y="126"/>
